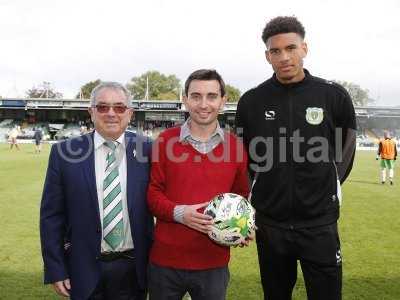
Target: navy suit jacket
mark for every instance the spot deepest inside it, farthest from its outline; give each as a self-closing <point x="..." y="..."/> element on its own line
<point x="70" y="227"/>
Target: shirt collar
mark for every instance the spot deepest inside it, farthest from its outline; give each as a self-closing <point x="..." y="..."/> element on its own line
<point x="185" y="131"/>
<point x="300" y="83"/>
<point x="99" y="140"/>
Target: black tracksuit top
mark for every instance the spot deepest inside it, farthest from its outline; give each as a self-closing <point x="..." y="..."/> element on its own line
<point x="289" y="132"/>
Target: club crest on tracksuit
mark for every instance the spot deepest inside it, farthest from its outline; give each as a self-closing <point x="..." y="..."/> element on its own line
<point x="314" y="115"/>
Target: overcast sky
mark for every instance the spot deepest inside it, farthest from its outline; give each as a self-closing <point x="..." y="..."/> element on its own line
<point x="69" y="43"/>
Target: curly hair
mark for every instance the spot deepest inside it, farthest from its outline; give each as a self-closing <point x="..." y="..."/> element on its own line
<point x="282" y="24"/>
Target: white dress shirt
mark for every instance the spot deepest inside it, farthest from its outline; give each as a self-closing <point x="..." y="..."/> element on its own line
<point x="100" y="154"/>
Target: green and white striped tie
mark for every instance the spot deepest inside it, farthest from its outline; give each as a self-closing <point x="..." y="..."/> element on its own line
<point x="113" y="225"/>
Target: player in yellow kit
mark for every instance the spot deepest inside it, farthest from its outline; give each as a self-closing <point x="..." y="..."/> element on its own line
<point x="387" y="151"/>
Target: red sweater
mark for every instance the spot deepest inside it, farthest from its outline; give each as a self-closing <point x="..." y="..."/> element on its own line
<point x="193" y="179"/>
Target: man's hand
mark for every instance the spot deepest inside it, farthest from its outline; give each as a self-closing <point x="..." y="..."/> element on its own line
<point x="198" y="221"/>
<point x="247" y="241"/>
<point x="62" y="287"/>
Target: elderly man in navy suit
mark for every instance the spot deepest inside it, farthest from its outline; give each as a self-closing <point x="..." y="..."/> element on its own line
<point x="95" y="227"/>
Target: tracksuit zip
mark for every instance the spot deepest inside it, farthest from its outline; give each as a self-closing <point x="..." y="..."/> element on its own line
<point x="290" y="134"/>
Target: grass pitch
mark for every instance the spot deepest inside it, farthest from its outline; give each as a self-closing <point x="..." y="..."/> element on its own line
<point x="369" y="230"/>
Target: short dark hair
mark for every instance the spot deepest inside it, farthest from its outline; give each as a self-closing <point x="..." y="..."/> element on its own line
<point x="283" y="24"/>
<point x="205" y="74"/>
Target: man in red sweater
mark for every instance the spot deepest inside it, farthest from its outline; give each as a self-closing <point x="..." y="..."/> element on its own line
<point x="192" y="164"/>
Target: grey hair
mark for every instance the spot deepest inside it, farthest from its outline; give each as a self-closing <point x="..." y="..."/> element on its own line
<point x="113" y="86"/>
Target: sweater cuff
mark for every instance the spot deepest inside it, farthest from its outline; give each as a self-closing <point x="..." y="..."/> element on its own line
<point x="178" y="213"/>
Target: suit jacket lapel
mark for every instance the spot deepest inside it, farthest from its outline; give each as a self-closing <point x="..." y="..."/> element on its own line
<point x="90" y="172"/>
<point x="130" y="171"/>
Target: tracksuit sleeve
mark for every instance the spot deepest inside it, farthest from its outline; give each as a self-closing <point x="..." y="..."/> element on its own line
<point x="159" y="204"/>
<point x="241" y="185"/>
<point x="240" y="128"/>
<point x="346" y="126"/>
<point x="239" y="120"/>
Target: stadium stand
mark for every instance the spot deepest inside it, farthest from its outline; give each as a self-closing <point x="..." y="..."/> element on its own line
<point x="65" y="118"/>
<point x="5" y="127"/>
<point x="68" y="131"/>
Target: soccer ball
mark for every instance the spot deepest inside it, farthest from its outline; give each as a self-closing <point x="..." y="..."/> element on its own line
<point x="233" y="217"/>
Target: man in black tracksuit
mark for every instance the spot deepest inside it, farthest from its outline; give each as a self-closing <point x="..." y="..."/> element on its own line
<point x="299" y="131"/>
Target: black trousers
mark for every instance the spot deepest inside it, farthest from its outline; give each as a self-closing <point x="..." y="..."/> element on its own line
<point x="118" y="281"/>
<point x="172" y="284"/>
<point x="317" y="249"/>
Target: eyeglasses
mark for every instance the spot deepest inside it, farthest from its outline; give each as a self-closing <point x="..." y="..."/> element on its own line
<point x="118" y="109"/>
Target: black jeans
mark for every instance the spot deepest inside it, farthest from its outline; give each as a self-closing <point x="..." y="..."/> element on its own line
<point x="317" y="249"/>
<point x="172" y="284"/>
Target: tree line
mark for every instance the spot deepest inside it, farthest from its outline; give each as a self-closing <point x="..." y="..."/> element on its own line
<point x="151" y="85"/>
<point x="154" y="85"/>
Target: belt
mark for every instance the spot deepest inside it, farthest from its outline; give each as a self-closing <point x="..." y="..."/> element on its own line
<point x="111" y="256"/>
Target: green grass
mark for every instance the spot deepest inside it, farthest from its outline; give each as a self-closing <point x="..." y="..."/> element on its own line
<point x="369" y="229"/>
